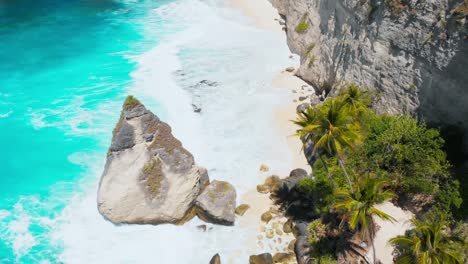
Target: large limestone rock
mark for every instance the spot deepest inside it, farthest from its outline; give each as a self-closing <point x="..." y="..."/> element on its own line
<point x="217" y="203"/>
<point x="149" y="177"/>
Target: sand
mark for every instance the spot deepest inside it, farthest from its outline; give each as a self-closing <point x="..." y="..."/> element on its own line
<point x="388" y="230"/>
<point x="263" y="14"/>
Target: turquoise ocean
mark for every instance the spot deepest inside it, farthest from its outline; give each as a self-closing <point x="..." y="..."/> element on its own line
<point x="65" y="68"/>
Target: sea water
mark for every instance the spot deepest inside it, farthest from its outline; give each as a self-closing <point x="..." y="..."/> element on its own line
<point x="65" y="69"/>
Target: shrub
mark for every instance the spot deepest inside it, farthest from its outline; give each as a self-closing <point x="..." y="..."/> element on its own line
<point x="309" y="49"/>
<point x="303" y="25"/>
<point x="130" y="102"/>
<point x="404" y="152"/>
<point x="319" y="191"/>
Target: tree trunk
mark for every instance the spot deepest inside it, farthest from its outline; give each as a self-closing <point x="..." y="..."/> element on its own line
<point x="372" y="234"/>
<point x="328" y="172"/>
<point x="346" y="174"/>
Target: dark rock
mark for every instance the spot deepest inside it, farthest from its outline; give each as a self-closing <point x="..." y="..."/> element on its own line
<point x="216" y="259"/>
<point x="302" y="98"/>
<point x="201" y="228"/>
<point x="302" y="247"/>
<point x="209" y="83"/>
<point x="302" y="107"/>
<point x="290" y="69"/>
<point x="294" y="177"/>
<point x="196" y="109"/>
<point x="298" y="173"/>
<point x="136" y="111"/>
<point x="123" y="136"/>
<point x="148" y="137"/>
<point x="264" y="258"/>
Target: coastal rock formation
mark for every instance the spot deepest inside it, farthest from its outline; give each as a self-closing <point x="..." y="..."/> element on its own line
<point x="414" y="53"/>
<point x="149" y="177"/>
<point x="217" y="203"/>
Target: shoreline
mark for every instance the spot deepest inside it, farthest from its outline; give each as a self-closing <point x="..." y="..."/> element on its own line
<point x="266" y="17"/>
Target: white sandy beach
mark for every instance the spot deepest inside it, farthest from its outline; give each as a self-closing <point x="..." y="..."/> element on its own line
<point x="265" y="16"/>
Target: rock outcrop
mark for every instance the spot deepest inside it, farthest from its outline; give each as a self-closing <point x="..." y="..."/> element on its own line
<point x="149" y="177"/>
<point x="217" y="203"/>
<point x="414" y="53"/>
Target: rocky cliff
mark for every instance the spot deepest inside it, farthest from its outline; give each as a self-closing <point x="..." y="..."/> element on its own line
<point x="150" y="178"/>
<point x="413" y="52"/>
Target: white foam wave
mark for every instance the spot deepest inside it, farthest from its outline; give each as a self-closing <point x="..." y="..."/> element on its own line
<point x="7" y="114"/>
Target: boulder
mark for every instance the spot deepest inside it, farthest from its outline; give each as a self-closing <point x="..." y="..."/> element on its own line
<point x="301" y="173"/>
<point x="302" y="246"/>
<point x="264" y="258"/>
<point x="266" y="217"/>
<point x="149" y="177"/>
<point x="290" y="69"/>
<point x="272" y="182"/>
<point x="261" y="188"/>
<point x="264" y="168"/>
<point x="217" y="203"/>
<point x="215" y="259"/>
<point x="302" y="107"/>
<point x="241" y="209"/>
<point x="294" y="177"/>
<point x="287" y="226"/>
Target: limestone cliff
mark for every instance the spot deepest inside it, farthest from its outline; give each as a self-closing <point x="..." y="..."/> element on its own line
<point x="413" y="52"/>
<point x="150" y="178"/>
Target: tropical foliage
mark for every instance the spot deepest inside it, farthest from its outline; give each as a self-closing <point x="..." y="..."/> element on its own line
<point x="358" y="208"/>
<point x="363" y="159"/>
<point x="430" y="242"/>
<point x="331" y="128"/>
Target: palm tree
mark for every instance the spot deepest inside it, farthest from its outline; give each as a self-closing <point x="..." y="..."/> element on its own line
<point x="332" y="128"/>
<point x="355" y="98"/>
<point x="428" y="243"/>
<point x="358" y="208"/>
<point x="305" y="119"/>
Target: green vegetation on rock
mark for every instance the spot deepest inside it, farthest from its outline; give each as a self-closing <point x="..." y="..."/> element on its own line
<point x="130" y="102"/>
<point x="303" y="25"/>
<point x="430" y="241"/>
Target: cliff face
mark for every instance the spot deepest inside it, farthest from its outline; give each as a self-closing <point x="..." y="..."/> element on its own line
<point x="413" y="52"/>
